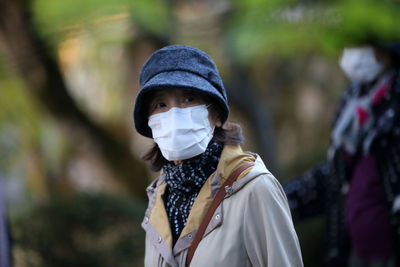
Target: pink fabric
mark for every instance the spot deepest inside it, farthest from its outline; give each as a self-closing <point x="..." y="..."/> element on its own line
<point x="381" y="93"/>
<point x="362" y="116"/>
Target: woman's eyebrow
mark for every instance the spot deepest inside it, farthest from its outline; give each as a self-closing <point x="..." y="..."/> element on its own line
<point x="192" y="94"/>
<point x="157" y="96"/>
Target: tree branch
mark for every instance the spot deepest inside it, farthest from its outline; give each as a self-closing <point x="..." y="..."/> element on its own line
<point x="30" y="57"/>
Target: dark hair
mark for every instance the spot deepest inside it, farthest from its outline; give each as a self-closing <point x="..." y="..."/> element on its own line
<point x="387" y="55"/>
<point x="229" y="134"/>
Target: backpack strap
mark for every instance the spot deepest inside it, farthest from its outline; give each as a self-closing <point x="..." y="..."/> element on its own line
<point x="210" y="212"/>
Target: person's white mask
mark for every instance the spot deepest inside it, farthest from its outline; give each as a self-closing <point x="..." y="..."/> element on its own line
<point x="360" y="64"/>
<point x="182" y="133"/>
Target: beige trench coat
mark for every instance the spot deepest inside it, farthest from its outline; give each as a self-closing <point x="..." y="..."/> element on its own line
<point x="251" y="227"/>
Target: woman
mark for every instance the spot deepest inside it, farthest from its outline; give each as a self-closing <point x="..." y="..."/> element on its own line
<point x="357" y="189"/>
<point x="182" y="105"/>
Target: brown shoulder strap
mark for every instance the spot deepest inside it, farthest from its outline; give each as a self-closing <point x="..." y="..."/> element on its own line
<point x="217" y="200"/>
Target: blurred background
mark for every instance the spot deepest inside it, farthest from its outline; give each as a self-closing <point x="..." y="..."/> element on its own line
<point x="72" y="180"/>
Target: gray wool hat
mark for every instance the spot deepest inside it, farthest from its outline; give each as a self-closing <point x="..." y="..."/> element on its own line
<point x="178" y="67"/>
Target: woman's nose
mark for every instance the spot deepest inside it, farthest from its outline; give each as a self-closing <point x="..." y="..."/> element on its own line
<point x="176" y="103"/>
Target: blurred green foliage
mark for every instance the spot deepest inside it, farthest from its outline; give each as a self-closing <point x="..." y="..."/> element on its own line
<point x="256" y="27"/>
<point x="18" y="111"/>
<point x="263" y="28"/>
<point x="82" y="230"/>
<point x="57" y="18"/>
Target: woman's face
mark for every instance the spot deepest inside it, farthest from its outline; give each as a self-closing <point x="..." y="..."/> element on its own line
<point x="163" y="100"/>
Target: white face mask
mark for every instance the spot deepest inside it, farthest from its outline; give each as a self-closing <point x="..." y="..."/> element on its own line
<point x="360" y="64"/>
<point x="182" y="133"/>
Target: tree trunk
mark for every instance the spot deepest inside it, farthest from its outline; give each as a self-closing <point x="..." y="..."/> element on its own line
<point x="27" y="53"/>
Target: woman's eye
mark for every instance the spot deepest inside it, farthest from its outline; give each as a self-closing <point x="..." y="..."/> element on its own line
<point x="189" y="99"/>
<point x="160" y="105"/>
<point x="157" y="107"/>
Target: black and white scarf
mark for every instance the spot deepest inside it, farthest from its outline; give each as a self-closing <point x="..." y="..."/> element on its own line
<point x="184" y="182"/>
<point x="360" y="120"/>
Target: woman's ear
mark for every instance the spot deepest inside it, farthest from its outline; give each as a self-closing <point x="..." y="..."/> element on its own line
<point x="215" y="116"/>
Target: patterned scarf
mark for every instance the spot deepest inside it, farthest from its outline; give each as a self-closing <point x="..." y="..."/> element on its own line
<point x="357" y="126"/>
<point x="184" y="182"/>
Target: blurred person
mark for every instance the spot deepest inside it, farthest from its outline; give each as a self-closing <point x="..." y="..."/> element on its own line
<point x="5" y="249"/>
<point x="358" y="188"/>
<point x="210" y="194"/>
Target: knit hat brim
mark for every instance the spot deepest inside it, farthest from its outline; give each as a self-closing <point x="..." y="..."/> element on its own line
<point x="174" y="80"/>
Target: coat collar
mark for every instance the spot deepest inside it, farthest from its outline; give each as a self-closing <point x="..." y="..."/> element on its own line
<point x="156" y="217"/>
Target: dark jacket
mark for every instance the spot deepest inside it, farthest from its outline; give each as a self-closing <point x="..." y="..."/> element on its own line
<point x="323" y="189"/>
